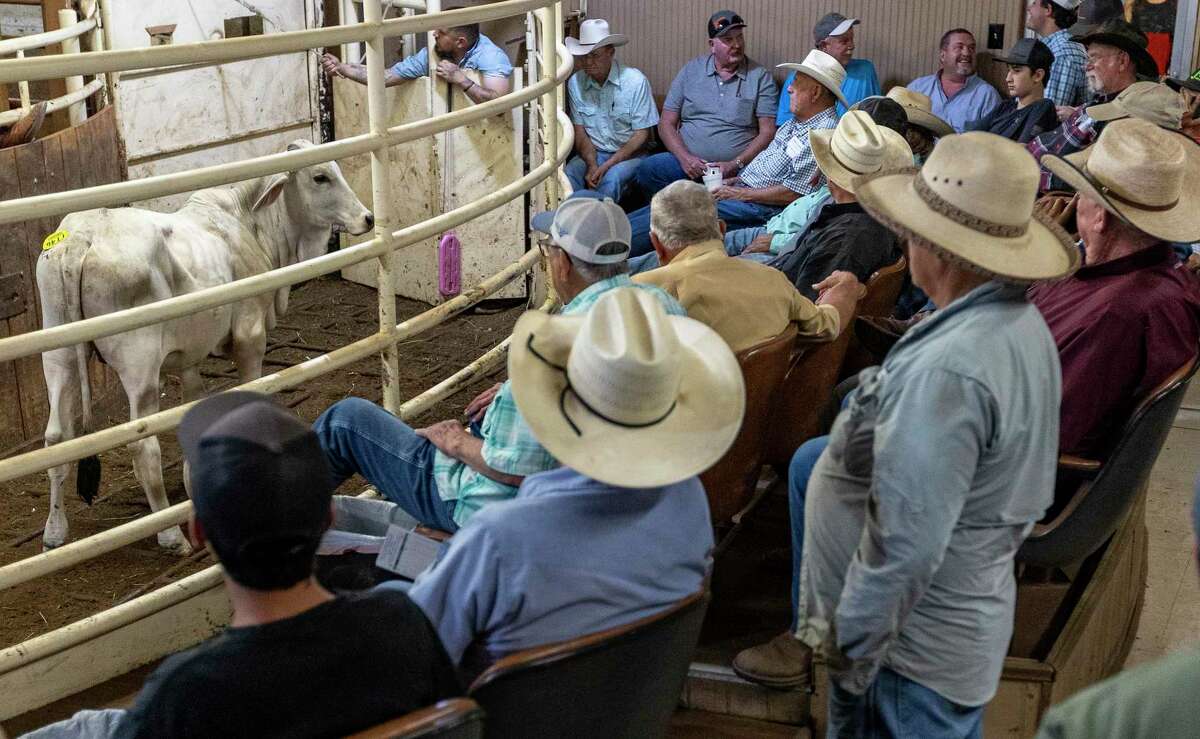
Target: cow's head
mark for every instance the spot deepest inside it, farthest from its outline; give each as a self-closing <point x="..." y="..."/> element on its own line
<point x="317" y="197"/>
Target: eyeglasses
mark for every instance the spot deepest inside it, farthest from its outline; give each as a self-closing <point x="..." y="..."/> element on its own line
<point x="1094" y="59"/>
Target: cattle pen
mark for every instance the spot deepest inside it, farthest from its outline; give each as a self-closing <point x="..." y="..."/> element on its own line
<point x="153" y="624"/>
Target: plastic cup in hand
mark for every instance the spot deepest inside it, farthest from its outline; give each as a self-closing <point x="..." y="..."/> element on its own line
<point x="713" y="179"/>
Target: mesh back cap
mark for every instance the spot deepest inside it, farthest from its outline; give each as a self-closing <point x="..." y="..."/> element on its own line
<point x="592" y="230"/>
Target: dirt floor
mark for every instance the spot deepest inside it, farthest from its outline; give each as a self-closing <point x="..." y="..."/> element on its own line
<point x="325" y="314"/>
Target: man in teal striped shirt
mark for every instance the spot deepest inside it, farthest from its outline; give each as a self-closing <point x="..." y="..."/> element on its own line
<point x="443" y="474"/>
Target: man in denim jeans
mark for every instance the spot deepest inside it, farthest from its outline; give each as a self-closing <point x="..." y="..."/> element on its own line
<point x="442" y="474"/>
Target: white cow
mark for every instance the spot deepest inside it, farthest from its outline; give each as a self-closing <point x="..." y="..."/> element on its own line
<point x="111" y="259"/>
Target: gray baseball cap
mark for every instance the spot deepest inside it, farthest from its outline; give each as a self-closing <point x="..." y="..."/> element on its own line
<point x="833" y="24"/>
<point x="592" y="230"/>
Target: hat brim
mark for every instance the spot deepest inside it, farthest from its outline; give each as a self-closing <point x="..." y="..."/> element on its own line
<point x="1110" y="111"/>
<point x="1180" y="223"/>
<point x="698" y="431"/>
<point x="542" y="222"/>
<point x="842" y="28"/>
<point x="825" y="80"/>
<point x="578" y="48"/>
<point x="927" y="120"/>
<point x="1043" y="252"/>
<point x="1180" y="85"/>
<point x="821" y="143"/>
<point x="727" y="29"/>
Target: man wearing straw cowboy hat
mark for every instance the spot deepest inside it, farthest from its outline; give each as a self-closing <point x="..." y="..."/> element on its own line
<point x="937" y="467"/>
<point x="842" y="236"/>
<point x="635" y="404"/>
<point x="612" y="109"/>
<point x="1129" y="318"/>
<point x="784" y="170"/>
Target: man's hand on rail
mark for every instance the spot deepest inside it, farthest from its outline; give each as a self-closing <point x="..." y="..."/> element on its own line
<point x="477" y="408"/>
<point x="332" y="65"/>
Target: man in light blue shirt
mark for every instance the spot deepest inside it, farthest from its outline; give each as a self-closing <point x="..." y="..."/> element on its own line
<point x="622" y="531"/>
<point x="458" y="48"/>
<point x="613" y="112"/>
<point x="959" y="95"/>
<point x="834" y="35"/>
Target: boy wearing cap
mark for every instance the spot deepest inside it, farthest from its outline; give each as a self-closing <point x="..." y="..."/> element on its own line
<point x="612" y="109"/>
<point x="636" y="404"/>
<point x="296" y="659"/>
<point x="1027" y="112"/>
<point x="1066" y="85"/>
<point x="443" y="474"/>
<point x="834" y="35"/>
<point x="720" y="111"/>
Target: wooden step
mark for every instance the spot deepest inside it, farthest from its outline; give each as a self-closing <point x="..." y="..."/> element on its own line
<point x="715" y="688"/>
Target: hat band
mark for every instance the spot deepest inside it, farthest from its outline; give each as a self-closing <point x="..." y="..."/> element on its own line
<point x="847" y="167"/>
<point x="953" y="212"/>
<point x="562" y="399"/>
<point x="1108" y="192"/>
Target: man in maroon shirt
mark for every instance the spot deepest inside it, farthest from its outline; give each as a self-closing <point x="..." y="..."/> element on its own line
<point x="1129" y="318"/>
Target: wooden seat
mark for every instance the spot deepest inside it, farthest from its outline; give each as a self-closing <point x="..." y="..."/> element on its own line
<point x="883" y="290"/>
<point x="623" y="683"/>
<point x="730" y="483"/>
<point x="1099" y="495"/>
<point x="456" y="718"/>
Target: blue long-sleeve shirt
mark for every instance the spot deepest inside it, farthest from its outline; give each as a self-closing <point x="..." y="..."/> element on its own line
<point x="861" y="82"/>
<point x="936" y="471"/>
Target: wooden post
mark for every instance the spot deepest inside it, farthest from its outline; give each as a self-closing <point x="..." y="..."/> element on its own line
<point x="77" y="113"/>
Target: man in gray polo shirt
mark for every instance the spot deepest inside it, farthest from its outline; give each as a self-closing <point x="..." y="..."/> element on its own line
<point x="720" y="111"/>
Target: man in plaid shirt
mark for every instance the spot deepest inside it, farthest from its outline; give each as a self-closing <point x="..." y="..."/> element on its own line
<point x="1113" y="53"/>
<point x="1066" y="85"/>
<point x="786" y="169"/>
<point x="443" y="474"/>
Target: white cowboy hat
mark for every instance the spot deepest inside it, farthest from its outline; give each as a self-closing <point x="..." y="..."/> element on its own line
<point x="1146" y="175"/>
<point x="919" y="109"/>
<point x="856" y="147"/>
<point x="824" y="69"/>
<point x="626" y="394"/>
<point x="973" y="203"/>
<point x="593" y="34"/>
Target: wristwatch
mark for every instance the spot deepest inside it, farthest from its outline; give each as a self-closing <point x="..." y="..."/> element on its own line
<point x="739" y="164"/>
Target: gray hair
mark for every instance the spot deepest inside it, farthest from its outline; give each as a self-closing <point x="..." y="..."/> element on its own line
<point x="593" y="273"/>
<point x="684" y="213"/>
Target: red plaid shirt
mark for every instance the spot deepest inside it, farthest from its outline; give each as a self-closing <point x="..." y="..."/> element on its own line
<point x="1075" y="134"/>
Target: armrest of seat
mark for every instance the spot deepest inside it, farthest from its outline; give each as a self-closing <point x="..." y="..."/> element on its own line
<point x="435" y="534"/>
<point x="1078" y="466"/>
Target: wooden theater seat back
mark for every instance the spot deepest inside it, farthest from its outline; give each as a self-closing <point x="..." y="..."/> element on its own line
<point x="455" y="718"/>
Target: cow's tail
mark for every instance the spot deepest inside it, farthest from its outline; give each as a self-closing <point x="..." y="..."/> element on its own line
<point x="69" y="271"/>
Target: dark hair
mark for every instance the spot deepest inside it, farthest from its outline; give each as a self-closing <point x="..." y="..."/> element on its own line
<point x="469" y="31"/>
<point x="1063" y="18"/>
<point x="946" y="36"/>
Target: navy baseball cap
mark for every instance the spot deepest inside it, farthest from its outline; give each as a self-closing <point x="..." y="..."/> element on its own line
<point x="724" y="21"/>
<point x="261" y="487"/>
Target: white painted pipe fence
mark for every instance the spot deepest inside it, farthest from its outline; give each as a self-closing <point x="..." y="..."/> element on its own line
<point x="555" y="65"/>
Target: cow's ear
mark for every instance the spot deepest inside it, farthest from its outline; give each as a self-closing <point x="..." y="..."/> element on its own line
<point x="271" y="189"/>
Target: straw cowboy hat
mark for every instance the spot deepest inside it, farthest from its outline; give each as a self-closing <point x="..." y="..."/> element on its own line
<point x="919" y="108"/>
<point x="626" y="394"/>
<point x="592" y="35"/>
<point x="1146" y="175"/>
<point x="972" y="202"/>
<point x="858" y="146"/>
<point x="824" y="69"/>
<point x="1149" y="101"/>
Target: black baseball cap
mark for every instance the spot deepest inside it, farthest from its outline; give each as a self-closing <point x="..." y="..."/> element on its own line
<point x="261" y="487"/>
<point x="724" y="21"/>
<point x="885" y="112"/>
<point x="1029" y="52"/>
<point x="1191" y="83"/>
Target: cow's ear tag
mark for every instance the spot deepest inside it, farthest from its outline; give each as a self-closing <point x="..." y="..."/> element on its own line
<point x="54" y="240"/>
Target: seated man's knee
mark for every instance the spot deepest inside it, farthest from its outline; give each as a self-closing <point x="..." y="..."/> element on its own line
<point x="341" y="415"/>
<point x="803" y="462"/>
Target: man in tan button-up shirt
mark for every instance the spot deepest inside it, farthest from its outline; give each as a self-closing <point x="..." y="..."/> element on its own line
<point x="743" y="301"/>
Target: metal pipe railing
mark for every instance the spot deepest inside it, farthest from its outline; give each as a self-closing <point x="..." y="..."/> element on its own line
<point x="48" y="38"/>
<point x="9" y="117"/>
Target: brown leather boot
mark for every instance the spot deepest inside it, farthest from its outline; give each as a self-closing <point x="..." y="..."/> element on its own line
<point x="783" y="662"/>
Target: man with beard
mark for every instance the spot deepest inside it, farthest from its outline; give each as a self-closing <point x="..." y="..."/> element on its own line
<point x="1116" y="54"/>
<point x="959" y="95"/>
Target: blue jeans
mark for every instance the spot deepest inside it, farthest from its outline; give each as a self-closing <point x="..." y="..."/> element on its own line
<point x="86" y="724"/>
<point x="657" y="171"/>
<point x="799" y="471"/>
<point x="361" y="437"/>
<point x="736" y="240"/>
<point x="895" y="706"/>
<point x="735" y="213"/>
<point x="615" y="180"/>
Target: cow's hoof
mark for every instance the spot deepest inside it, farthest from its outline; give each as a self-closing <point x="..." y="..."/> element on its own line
<point x="48" y="544"/>
<point x="174" y="542"/>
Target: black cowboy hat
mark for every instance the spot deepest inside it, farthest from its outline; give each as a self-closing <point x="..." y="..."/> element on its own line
<point x="1125" y="37"/>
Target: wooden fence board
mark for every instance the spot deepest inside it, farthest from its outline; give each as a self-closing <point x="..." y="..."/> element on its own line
<point x="12" y="259"/>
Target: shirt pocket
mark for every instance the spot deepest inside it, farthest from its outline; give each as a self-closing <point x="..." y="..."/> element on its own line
<point x="743" y="112"/>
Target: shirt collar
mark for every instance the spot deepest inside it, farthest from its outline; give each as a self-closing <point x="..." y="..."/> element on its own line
<point x="710" y="66"/>
<point x="474" y="48"/>
<point x="992" y="291"/>
<point x="702" y="250"/>
<point x="1160" y="254"/>
<point x="594" y="289"/>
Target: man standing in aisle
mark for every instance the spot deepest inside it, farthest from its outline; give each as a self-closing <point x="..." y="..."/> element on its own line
<point x="1066" y="85"/>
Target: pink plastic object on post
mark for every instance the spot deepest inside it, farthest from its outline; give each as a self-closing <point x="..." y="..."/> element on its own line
<point x="449" y="265"/>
